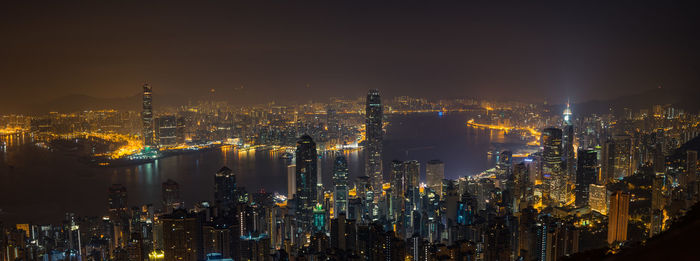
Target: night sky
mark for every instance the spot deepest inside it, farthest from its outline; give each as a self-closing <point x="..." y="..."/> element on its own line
<point x="287" y="52"/>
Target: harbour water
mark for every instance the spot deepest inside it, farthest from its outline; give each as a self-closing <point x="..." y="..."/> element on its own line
<point x="40" y="186"/>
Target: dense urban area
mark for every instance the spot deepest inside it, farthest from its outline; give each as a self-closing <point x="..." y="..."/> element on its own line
<point x="579" y="183"/>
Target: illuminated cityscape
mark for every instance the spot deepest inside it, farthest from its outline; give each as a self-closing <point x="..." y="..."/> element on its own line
<point x="278" y="137"/>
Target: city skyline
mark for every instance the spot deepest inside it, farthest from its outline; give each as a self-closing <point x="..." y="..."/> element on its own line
<point x="360" y="131"/>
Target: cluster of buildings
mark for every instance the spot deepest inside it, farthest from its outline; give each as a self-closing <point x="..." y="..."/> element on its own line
<point x="596" y="181"/>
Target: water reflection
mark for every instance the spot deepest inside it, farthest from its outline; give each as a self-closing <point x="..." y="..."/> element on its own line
<point x="40" y="186"/>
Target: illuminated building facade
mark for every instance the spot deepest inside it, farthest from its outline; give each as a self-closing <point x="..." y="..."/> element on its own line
<point x="553" y="175"/>
<point x="225" y="194"/>
<point x="166" y="133"/>
<point x="291" y="181"/>
<point x="340" y="184"/>
<point x="618" y="217"/>
<point x="622" y="157"/>
<point x="182" y="237"/>
<point x="171" y="195"/>
<point x="597" y="198"/>
<point x="434" y="174"/>
<point x="374" y="139"/>
<point x="586" y="174"/>
<point x="147" y="116"/>
<point x="306" y="175"/>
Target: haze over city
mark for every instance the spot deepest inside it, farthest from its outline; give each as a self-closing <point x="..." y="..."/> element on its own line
<point x="259" y="52"/>
<point x="349" y="130"/>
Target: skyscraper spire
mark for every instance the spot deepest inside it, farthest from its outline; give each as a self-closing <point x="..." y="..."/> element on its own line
<point x="567" y="113"/>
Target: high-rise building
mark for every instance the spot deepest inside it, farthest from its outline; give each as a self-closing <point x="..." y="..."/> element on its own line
<point x="398" y="177"/>
<point x="552" y="166"/>
<point x="412" y="174"/>
<point x="597" y="198"/>
<point x="171" y="195"/>
<point x="434" y="174"/>
<point x="568" y="144"/>
<point x="166" y="131"/>
<point x="373" y="141"/>
<point x="147" y="117"/>
<point x="618" y="217"/>
<point x="182" y="236"/>
<point x="340" y="183"/>
<point x="691" y="169"/>
<point x="225" y="188"/>
<point x="586" y="174"/>
<point x="306" y="175"/>
<point x="291" y="181"/>
<point x="658" y="203"/>
<point x="622" y="157"/>
<point x="255" y="247"/>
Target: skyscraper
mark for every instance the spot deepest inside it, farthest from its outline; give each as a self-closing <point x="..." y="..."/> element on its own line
<point x="552" y="165"/>
<point x="597" y="198"/>
<point x="373" y="142"/>
<point x="166" y="131"/>
<point x="618" y="217"/>
<point x="434" y="174"/>
<point x="306" y="174"/>
<point x="398" y="177"/>
<point x="586" y="173"/>
<point x="568" y="151"/>
<point x="568" y="144"/>
<point x="340" y="182"/>
<point x="147" y="117"/>
<point x="621" y="156"/>
<point x="291" y="181"/>
<point x="412" y="174"/>
<point x="182" y="237"/>
<point x="171" y="195"/>
<point x="225" y="187"/>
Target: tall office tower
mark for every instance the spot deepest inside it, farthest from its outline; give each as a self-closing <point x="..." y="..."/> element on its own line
<point x="291" y="181"/>
<point x="147" y="117"/>
<point x="622" y="157"/>
<point x="166" y="131"/>
<point x="398" y="177"/>
<point x="568" y="152"/>
<point x="255" y="247"/>
<point x="434" y="174"/>
<point x="586" y="174"/>
<point x="658" y="203"/>
<point x="618" y="217"/>
<point x="225" y="188"/>
<point x="505" y="163"/>
<point x="523" y="186"/>
<point x="182" y="237"/>
<point x="171" y="195"/>
<point x="658" y="154"/>
<point x="339" y="233"/>
<point x="607" y="162"/>
<point x="598" y="198"/>
<point x="691" y="169"/>
<point x="306" y="174"/>
<point x="373" y="141"/>
<point x="117" y="201"/>
<point x="333" y="125"/>
<point x="552" y="166"/>
<point x="412" y="174"/>
<point x="340" y="182"/>
<point x="568" y="144"/>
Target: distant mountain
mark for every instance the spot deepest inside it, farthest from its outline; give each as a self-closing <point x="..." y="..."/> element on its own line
<point x="686" y="99"/>
<point x="80" y="102"/>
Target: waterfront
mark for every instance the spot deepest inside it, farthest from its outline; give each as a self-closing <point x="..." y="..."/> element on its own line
<point x="31" y="192"/>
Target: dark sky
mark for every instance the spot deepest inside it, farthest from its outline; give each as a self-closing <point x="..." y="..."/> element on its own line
<point x="582" y="49"/>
